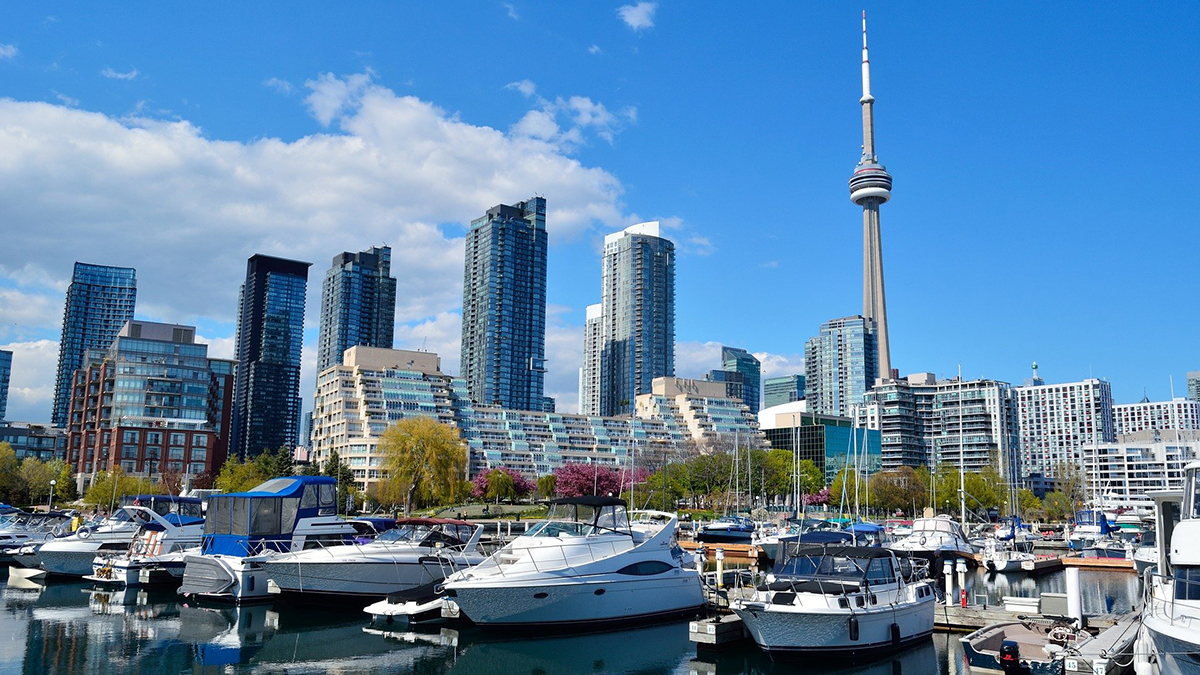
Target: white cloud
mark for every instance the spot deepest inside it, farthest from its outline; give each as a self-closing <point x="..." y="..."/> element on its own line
<point x="8" y="51"/>
<point x="281" y="86"/>
<point x="115" y="75"/>
<point x="778" y="365"/>
<point x="564" y="356"/>
<point x="526" y="87"/>
<point x="639" y="16"/>
<point x="579" y="113"/>
<point x="595" y="50"/>
<point x="31" y="388"/>
<point x="512" y="11"/>
<point x="330" y="95"/>
<point x="67" y="100"/>
<point x="770" y="264"/>
<point x="699" y="245"/>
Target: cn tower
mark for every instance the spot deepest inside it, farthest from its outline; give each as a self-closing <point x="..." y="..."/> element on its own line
<point x="870" y="186"/>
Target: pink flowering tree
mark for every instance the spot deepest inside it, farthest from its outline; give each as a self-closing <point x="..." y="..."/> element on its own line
<point x="578" y="479"/>
<point x="816" y="498"/>
<point x="501" y="483"/>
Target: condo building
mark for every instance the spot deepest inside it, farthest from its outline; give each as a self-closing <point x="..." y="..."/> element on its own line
<point x="1056" y="421"/>
<point x="358" y="304"/>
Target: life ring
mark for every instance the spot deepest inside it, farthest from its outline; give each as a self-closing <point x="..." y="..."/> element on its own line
<point x="922" y="540"/>
<point x="84" y="532"/>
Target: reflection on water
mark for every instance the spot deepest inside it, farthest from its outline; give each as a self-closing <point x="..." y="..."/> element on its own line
<point x="70" y="627"/>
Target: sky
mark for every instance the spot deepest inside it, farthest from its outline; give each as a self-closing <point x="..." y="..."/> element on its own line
<point x="1030" y="143"/>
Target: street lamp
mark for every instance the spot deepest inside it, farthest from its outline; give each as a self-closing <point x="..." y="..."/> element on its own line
<point x="50" y="504"/>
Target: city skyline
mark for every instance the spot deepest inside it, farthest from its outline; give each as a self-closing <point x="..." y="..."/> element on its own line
<point x="602" y="185"/>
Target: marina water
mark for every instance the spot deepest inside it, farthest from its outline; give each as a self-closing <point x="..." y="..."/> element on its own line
<point x="67" y="627"/>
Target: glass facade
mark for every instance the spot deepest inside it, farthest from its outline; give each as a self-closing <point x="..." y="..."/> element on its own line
<point x="504" y="306"/>
<point x="638" y="306"/>
<point x="5" y="376"/>
<point x="780" y="390"/>
<point x="99" y="301"/>
<point x="840" y="365"/>
<point x="270" y="333"/>
<point x="358" y="304"/>
<point x="829" y="442"/>
<point x="741" y="361"/>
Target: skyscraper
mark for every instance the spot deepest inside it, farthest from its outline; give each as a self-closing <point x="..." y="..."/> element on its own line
<point x="5" y="376"/>
<point x="839" y="365"/>
<point x="741" y="361"/>
<point x="1193" y="385"/>
<point x="270" y="332"/>
<point x="589" y="375"/>
<point x="358" y="304"/>
<point x="100" y="300"/>
<point x="871" y="186"/>
<point x="504" y="306"/>
<point x="780" y="390"/>
<point x="638" y="307"/>
<point x="1055" y="422"/>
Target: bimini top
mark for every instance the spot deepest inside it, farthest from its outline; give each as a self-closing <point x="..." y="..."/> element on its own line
<point x="431" y="522"/>
<point x="802" y="549"/>
<point x="290" y="486"/>
<point x="590" y="500"/>
<point x="865" y="528"/>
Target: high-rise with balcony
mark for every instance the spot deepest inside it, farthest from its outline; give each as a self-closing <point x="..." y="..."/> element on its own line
<point x="1056" y="421"/>
<point x="638" y="315"/>
<point x="358" y="304"/>
<point x="840" y="365"/>
<point x="270" y="332"/>
<point x="1193" y="385"/>
<point x="5" y="377"/>
<point x="504" y="306"/>
<point x="593" y="347"/>
<point x="99" y="301"/>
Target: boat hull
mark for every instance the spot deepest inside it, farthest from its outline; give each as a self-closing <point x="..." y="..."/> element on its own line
<point x="724" y="537"/>
<point x="788" y="634"/>
<point x="1177" y="651"/>
<point x="224" y="579"/>
<point x="352" y="579"/>
<point x="66" y="563"/>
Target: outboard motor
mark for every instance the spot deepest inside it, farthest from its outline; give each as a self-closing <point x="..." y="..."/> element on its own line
<point x="1010" y="657"/>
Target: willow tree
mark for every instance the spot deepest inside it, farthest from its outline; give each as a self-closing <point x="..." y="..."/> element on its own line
<point x="426" y="463"/>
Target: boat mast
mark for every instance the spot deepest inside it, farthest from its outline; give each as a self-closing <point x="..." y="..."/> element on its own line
<point x="962" y="461"/>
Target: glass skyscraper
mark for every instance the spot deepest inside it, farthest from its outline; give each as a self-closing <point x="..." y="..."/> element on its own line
<point x="504" y="306"/>
<point x="638" y="307"/>
<point x="358" y="304"/>
<point x="840" y="365"/>
<point x="270" y="332"/>
<point x="741" y="361"/>
<point x="780" y="390"/>
<point x="5" y="376"/>
<point x="100" y="300"/>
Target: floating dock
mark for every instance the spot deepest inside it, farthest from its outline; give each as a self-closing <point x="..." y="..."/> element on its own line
<point x="1113" y="564"/>
<point x="739" y="551"/>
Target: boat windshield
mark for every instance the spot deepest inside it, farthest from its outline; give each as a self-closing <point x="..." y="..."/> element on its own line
<point x="926" y="525"/>
<point x="581" y="520"/>
<point x="824" y="567"/>
<point x="404" y="533"/>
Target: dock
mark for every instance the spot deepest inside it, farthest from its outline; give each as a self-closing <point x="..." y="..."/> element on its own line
<point x="744" y="552"/>
<point x="1111" y="564"/>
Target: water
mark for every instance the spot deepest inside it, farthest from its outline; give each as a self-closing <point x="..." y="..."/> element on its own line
<point x="64" y="627"/>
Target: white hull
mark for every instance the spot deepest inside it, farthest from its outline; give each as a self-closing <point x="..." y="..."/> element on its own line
<point x="580" y="600"/>
<point x="1176" y="647"/>
<point x="364" y="579"/>
<point x="828" y="630"/>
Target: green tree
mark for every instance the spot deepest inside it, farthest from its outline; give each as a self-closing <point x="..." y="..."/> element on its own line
<point x="778" y="466"/>
<point x="109" y="487"/>
<point x="36" y="476"/>
<point x="12" y="488"/>
<point x="842" y="490"/>
<point x="545" y="485"/>
<point x="902" y="489"/>
<point x="346" y="485"/>
<point x="65" y="491"/>
<point x="812" y="479"/>
<point x="282" y="463"/>
<point x="500" y="485"/>
<point x="1028" y="505"/>
<point x="426" y="463"/>
<point x="1057" y="506"/>
<point x="239" y="476"/>
<point x="664" y="488"/>
<point x="1071" y="482"/>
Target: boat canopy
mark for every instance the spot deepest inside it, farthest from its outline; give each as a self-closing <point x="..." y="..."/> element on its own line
<point x="243" y="523"/>
<point x="165" y="504"/>
<point x="939" y="524"/>
<point x="847" y="563"/>
<point x="429" y="532"/>
<point x="590" y="500"/>
<point x="865" y="528"/>
<point x="581" y="516"/>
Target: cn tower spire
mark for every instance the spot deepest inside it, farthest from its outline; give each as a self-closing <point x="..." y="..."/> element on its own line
<point x="871" y="186"/>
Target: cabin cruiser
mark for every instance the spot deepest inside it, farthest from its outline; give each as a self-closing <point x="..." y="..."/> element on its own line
<point x="244" y="529"/>
<point x="1145" y="555"/>
<point x="1090" y="526"/>
<point x="586" y="564"/>
<point x="415" y="552"/>
<point x="1109" y="547"/>
<point x="1000" y="556"/>
<point x="727" y="530"/>
<point x="157" y="551"/>
<point x="808" y="530"/>
<point x="72" y="555"/>
<point x="1170" y="631"/>
<point x="849" y="601"/>
<point x="19" y="529"/>
<point x="935" y="538"/>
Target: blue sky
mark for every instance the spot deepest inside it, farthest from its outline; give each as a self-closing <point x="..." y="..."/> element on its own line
<point x="1036" y="211"/>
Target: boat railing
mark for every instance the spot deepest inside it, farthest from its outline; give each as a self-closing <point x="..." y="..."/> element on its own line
<point x="511" y="560"/>
<point x="1162" y="599"/>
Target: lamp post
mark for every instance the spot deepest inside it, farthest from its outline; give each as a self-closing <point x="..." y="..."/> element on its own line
<point x="50" y="504"/>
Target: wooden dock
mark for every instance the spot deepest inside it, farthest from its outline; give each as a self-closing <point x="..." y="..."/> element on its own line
<point x="1114" y="564"/>
<point x="741" y="552"/>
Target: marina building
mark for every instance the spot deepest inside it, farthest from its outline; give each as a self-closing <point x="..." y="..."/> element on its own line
<point x="99" y="301"/>
<point x="780" y="390"/>
<point x="1178" y="414"/>
<point x="840" y="365"/>
<point x="504" y="306"/>
<point x="1056" y="421"/>
<point x="151" y="402"/>
<point x="358" y="304"/>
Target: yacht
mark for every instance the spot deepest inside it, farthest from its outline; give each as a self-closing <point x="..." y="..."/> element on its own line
<point x="808" y="530"/>
<point x="727" y="530"/>
<point x="1000" y="556"/>
<point x="1145" y="555"/>
<point x="72" y="555"/>
<point x="415" y="552"/>
<point x="1109" y="547"/>
<point x="19" y="529"/>
<point x="1170" y="633"/>
<point x="1090" y="526"/>
<point x="586" y="564"/>
<point x="849" y="601"/>
<point x="938" y="538"/>
<point x="244" y="529"/>
<point x="157" y="551"/>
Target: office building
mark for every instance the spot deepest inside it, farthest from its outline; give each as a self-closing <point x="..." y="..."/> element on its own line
<point x="151" y="402"/>
<point x="839" y="365"/>
<point x="735" y="383"/>
<point x="737" y="360"/>
<point x="504" y="306"/>
<point x="1122" y="474"/>
<point x="1180" y="414"/>
<point x="1193" y="385"/>
<point x="99" y="301"/>
<point x="780" y="390"/>
<point x="827" y="440"/>
<point x="270" y="332"/>
<point x="589" y="374"/>
<point x="5" y="377"/>
<point x="871" y="187"/>
<point x="638" y="315"/>
<point x="358" y="304"/>
<point x="30" y="439"/>
<point x="1055" y="422"/>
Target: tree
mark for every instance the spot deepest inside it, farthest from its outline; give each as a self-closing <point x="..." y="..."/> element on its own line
<point x="36" y="476"/>
<point x="901" y="489"/>
<point x="12" y="488"/>
<point x="1028" y="505"/>
<point x="576" y="479"/>
<point x="171" y="480"/>
<point x="65" y="491"/>
<point x="812" y="479"/>
<point x="1058" y="506"/>
<point x="281" y="463"/>
<point x="239" y="476"/>
<point x="777" y="473"/>
<point x="492" y="485"/>
<point x="109" y="487"/>
<point x="1071" y="482"/>
<point x="426" y="463"/>
<point x="346" y="485"/>
<point x="545" y="486"/>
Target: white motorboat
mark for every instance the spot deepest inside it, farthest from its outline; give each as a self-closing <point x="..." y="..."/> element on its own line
<point x="939" y="538"/>
<point x="1169" y="641"/>
<point x="1003" y="557"/>
<point x="850" y="601"/>
<point x="244" y="529"/>
<point x="417" y="552"/>
<point x="73" y="555"/>
<point x="157" y="550"/>
<point x="1109" y="547"/>
<point x="1145" y="555"/>
<point x="19" y="529"/>
<point x="586" y="564"/>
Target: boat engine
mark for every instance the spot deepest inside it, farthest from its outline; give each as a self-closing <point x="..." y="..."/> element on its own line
<point x="1010" y="658"/>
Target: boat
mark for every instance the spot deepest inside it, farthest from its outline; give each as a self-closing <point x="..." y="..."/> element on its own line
<point x="1109" y="547"/>
<point x="72" y="555"/>
<point x="935" y="539"/>
<point x="587" y="564"/>
<point x="999" y="556"/>
<point x="1169" y="641"/>
<point x="1036" y="648"/>
<point x="1090" y="526"/>
<point x="19" y="529"/>
<point x="415" y="552"/>
<point x="243" y="529"/>
<point x="848" y="601"/>
<point x="727" y="530"/>
<point x="808" y="530"/>
<point x="1145" y="555"/>
<point x="157" y="551"/>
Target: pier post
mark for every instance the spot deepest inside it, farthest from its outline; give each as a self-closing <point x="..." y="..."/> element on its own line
<point x="1074" y="596"/>
<point x="720" y="568"/>
<point x="960" y="566"/>
<point x="948" y="572"/>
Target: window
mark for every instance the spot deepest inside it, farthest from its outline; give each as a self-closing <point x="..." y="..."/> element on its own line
<point x="646" y="568"/>
<point x="199" y="441"/>
<point x="1187" y="582"/>
<point x="178" y="439"/>
<point x="265" y="518"/>
<point x="199" y="454"/>
<point x="196" y="468"/>
<point x="153" y="438"/>
<point x="129" y="437"/>
<point x="175" y="453"/>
